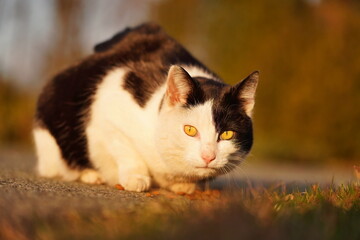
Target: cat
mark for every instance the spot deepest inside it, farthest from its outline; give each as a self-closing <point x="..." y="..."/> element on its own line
<point x="141" y="111"/>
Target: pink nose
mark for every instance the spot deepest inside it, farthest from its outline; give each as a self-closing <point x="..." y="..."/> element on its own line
<point x="208" y="157"/>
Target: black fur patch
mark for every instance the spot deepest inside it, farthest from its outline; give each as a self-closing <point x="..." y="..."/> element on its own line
<point x="228" y="114"/>
<point x="63" y="109"/>
<point x="203" y="89"/>
<point x="137" y="87"/>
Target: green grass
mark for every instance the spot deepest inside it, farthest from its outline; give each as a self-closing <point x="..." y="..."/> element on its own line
<point x="249" y="213"/>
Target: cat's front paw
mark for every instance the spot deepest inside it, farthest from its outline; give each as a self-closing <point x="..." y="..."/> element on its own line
<point x="91" y="176"/>
<point x="187" y="188"/>
<point x="136" y="183"/>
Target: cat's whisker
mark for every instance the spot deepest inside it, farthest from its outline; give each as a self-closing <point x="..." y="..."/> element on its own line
<point x="226" y="176"/>
<point x="239" y="167"/>
<point x="234" y="182"/>
<point x="230" y="167"/>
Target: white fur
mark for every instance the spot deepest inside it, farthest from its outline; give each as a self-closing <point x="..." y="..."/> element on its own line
<point x="120" y="134"/>
<point x="50" y="162"/>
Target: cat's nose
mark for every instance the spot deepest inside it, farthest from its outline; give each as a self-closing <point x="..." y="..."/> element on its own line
<point x="208" y="157"/>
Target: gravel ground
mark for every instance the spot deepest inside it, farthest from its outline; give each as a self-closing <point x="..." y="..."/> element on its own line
<point x="24" y="196"/>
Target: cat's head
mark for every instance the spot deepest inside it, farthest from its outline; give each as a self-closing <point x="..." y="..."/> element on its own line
<point x="205" y="126"/>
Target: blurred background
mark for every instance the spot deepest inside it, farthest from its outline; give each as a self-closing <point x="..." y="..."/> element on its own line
<point x="308" y="52"/>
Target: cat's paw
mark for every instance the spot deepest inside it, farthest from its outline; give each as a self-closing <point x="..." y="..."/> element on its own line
<point x="187" y="188"/>
<point x="136" y="183"/>
<point x="91" y="176"/>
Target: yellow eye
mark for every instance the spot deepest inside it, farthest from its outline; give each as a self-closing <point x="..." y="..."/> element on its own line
<point x="190" y="130"/>
<point x="227" y="135"/>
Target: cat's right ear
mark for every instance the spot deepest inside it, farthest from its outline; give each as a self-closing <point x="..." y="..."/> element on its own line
<point x="178" y="87"/>
<point x="245" y="91"/>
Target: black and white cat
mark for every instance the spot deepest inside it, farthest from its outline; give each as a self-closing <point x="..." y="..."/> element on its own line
<point x="142" y="111"/>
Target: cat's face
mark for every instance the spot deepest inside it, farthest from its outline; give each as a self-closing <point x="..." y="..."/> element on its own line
<point x="204" y="126"/>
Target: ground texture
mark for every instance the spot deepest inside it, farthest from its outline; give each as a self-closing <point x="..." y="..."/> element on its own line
<point x="37" y="208"/>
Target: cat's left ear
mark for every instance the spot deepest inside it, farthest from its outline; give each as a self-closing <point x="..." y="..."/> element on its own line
<point x="245" y="92"/>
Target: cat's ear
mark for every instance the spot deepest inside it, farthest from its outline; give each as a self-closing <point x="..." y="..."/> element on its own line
<point x="179" y="86"/>
<point x="245" y="91"/>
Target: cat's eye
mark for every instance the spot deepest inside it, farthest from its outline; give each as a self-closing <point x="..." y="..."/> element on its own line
<point x="227" y="135"/>
<point x="190" y="130"/>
